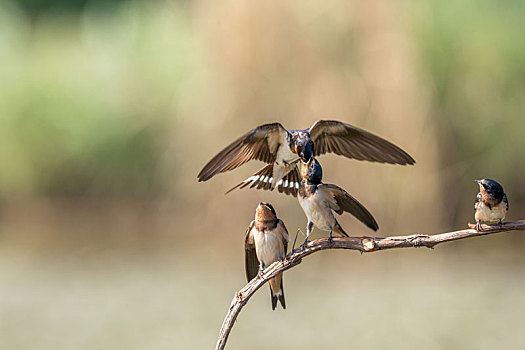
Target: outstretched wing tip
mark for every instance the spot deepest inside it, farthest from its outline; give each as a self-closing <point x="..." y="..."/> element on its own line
<point x="332" y="136"/>
<point x="260" y="144"/>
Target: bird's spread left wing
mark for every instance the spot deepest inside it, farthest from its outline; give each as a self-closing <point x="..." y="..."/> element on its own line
<point x="251" y="263"/>
<point x="340" y="201"/>
<point x="260" y="143"/>
<point x="331" y="136"/>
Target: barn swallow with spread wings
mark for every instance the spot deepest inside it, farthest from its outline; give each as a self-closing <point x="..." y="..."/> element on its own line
<point x="281" y="149"/>
<point x="266" y="242"/>
<point x="320" y="200"/>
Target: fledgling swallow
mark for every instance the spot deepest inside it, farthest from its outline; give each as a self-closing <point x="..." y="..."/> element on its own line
<point x="281" y="149"/>
<point x="266" y="242"/>
<point x="491" y="203"/>
<point x="320" y="200"/>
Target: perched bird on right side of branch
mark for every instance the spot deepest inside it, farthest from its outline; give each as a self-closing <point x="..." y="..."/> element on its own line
<point x="319" y="200"/>
<point x="266" y="242"/>
<point x="491" y="203"/>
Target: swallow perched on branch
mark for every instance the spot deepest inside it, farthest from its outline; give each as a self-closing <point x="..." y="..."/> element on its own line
<point x="281" y="149"/>
<point x="491" y="203"/>
<point x="266" y="242"/>
<point x="320" y="200"/>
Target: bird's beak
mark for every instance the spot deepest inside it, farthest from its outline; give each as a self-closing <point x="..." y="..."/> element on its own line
<point x="478" y="181"/>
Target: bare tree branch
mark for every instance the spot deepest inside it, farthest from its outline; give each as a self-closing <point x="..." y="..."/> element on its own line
<point x="363" y="244"/>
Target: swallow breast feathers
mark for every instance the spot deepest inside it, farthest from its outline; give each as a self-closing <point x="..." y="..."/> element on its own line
<point x="264" y="246"/>
<point x="270" y="244"/>
<point x="494" y="213"/>
<point x="317" y="209"/>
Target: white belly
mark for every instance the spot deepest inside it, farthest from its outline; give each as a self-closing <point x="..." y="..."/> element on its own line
<point x="269" y="247"/>
<point x="284" y="154"/>
<point x="319" y="214"/>
<point x="484" y="213"/>
<point x="284" y="163"/>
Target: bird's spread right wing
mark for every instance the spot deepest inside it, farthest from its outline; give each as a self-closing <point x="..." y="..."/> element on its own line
<point x="262" y="180"/>
<point x="260" y="143"/>
<point x="341" y="201"/>
<point x="331" y="136"/>
<point x="251" y="262"/>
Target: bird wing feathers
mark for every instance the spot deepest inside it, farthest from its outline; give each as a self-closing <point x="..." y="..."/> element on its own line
<point x="262" y="180"/>
<point x="260" y="143"/>
<point x="251" y="262"/>
<point x="340" y="201"/>
<point x="285" y="236"/>
<point x="330" y="136"/>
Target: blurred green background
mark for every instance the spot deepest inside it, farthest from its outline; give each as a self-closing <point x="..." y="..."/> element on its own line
<point x="108" y="110"/>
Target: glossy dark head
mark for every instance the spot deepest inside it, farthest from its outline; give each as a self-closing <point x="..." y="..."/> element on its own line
<point x="491" y="190"/>
<point x="303" y="146"/>
<point x="265" y="211"/>
<point x="312" y="172"/>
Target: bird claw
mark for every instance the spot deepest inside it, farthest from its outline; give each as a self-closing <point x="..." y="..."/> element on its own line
<point x="478" y="227"/>
<point x="295" y="239"/>
<point x="303" y="246"/>
<point x="330" y="239"/>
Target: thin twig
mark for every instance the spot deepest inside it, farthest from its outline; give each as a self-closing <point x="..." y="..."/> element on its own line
<point x="363" y="244"/>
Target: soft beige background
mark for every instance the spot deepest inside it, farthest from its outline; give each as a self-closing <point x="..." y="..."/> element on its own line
<point x="107" y="114"/>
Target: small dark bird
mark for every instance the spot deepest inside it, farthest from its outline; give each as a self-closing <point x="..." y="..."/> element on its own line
<point x="491" y="203"/>
<point x="266" y="242"/>
<point x="320" y="200"/>
<point x="281" y="149"/>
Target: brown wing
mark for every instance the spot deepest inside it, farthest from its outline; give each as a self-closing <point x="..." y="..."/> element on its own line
<point x="251" y="263"/>
<point x="260" y="143"/>
<point x="342" y="201"/>
<point x="331" y="136"/>
<point x="284" y="233"/>
<point x="262" y="180"/>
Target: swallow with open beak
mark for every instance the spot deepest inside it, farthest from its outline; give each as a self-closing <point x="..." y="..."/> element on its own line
<point x="281" y="149"/>
<point x="491" y="203"/>
<point x="266" y="242"/>
<point x="319" y="202"/>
